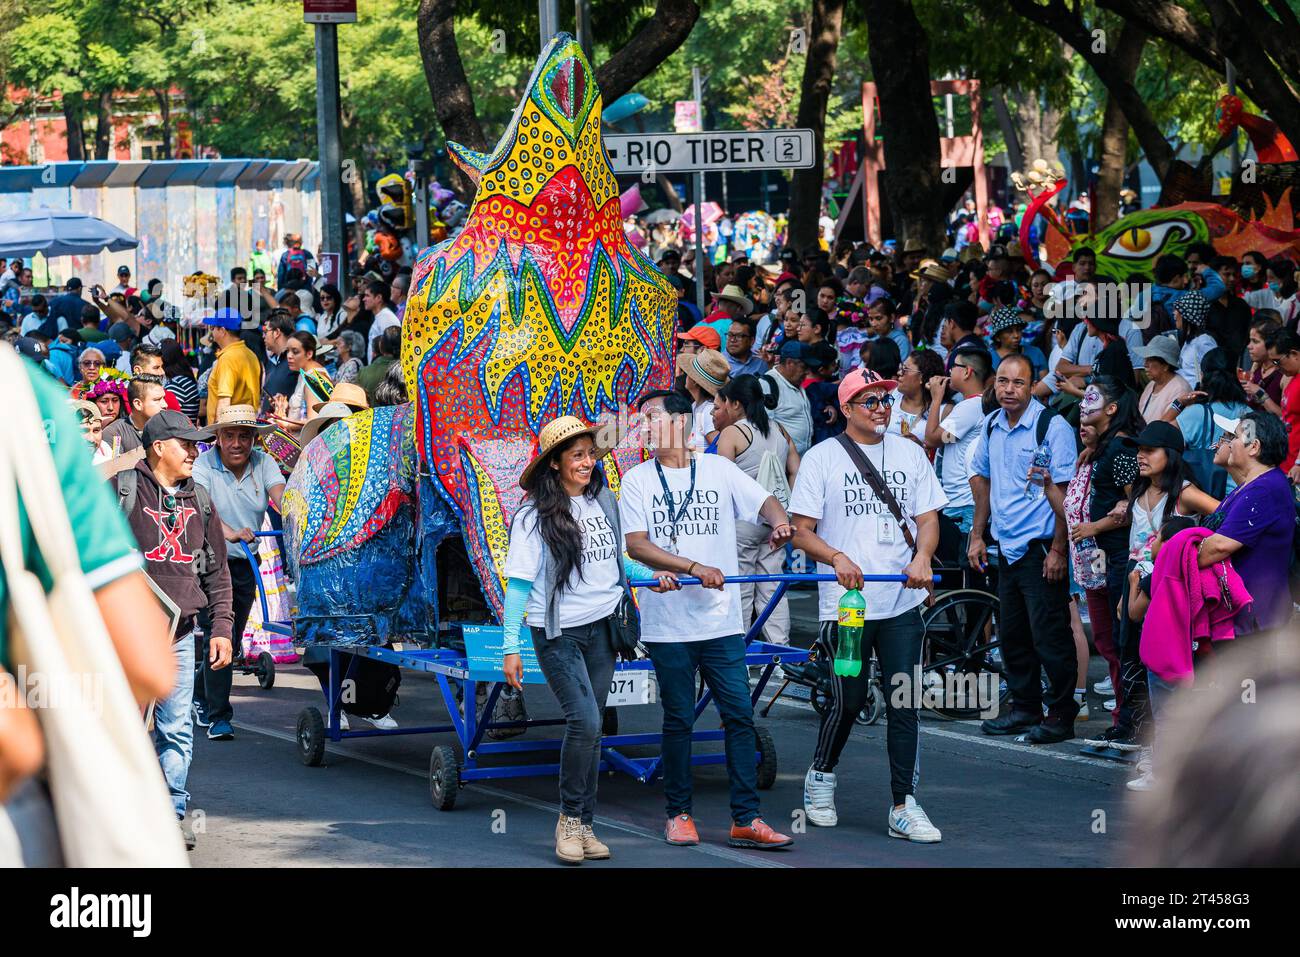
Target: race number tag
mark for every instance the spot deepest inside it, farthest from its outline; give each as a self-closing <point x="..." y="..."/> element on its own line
<point x="631" y="687"/>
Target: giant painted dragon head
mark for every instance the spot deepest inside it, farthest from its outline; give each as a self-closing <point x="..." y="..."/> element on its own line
<point x="538" y="308"/>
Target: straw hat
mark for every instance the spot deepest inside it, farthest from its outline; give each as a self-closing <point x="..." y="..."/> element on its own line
<point x="913" y="246"/>
<point x="240" y="417"/>
<point x="326" y="415"/>
<point x="554" y="434"/>
<point x="348" y="393"/>
<point x="734" y="293"/>
<point x="932" y="271"/>
<point x="707" y="368"/>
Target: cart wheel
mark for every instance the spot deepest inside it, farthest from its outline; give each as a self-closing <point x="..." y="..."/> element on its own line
<point x="766" y="757"/>
<point x="444" y="777"/>
<point x="610" y="725"/>
<point x="266" y="671"/>
<point x="875" y="707"/>
<point x="311" y="737"/>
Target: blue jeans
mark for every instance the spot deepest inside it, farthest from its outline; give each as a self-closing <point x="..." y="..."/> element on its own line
<point x="173" y="725"/>
<point x="722" y="662"/>
<point x="578" y="666"/>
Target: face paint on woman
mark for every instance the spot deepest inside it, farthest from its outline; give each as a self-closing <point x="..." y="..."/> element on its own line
<point x="1092" y="401"/>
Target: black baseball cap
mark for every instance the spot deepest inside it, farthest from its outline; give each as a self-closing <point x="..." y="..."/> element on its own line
<point x="124" y="270"/>
<point x="169" y="424"/>
<point x="1157" y="435"/>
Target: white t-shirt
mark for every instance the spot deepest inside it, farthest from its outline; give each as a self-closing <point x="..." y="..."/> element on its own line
<point x="706" y="533"/>
<point x="963" y="424"/>
<point x="851" y="519"/>
<point x="384" y="319"/>
<point x="701" y="426"/>
<point x="590" y="595"/>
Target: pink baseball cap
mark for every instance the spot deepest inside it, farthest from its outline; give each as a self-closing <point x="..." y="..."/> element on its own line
<point x="861" y="379"/>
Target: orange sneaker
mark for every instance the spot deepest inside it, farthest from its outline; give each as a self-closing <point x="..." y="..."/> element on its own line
<point x="758" y="835"/>
<point x="680" y="831"/>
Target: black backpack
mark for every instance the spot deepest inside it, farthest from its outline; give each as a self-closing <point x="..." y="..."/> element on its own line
<point x="1040" y="427"/>
<point x="128" y="489"/>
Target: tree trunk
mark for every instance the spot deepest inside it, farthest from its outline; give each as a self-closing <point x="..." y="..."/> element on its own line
<point x="1066" y="24"/>
<point x="900" y="61"/>
<point x="165" y="114"/>
<point x="1114" y="131"/>
<point x="1010" y="134"/>
<point x="74" y="110"/>
<point x="655" y="42"/>
<point x="356" y="184"/>
<point x="104" y="126"/>
<point x="445" y="73"/>
<point x="814" y="94"/>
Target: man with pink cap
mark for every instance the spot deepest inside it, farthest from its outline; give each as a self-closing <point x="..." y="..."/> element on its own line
<point x="868" y="501"/>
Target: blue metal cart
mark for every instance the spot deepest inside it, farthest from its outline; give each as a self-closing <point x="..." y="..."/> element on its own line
<point x="451" y="766"/>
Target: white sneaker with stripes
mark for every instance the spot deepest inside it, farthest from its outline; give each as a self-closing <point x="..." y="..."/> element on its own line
<point x="912" y="824"/>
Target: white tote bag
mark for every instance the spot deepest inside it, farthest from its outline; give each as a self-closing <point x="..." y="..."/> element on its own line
<point x="109" y="796"/>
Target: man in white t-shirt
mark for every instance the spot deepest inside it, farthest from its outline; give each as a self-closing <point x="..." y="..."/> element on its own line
<point x="679" y="514"/>
<point x="375" y="298"/>
<point x="856" y="532"/>
<point x="955" y="434"/>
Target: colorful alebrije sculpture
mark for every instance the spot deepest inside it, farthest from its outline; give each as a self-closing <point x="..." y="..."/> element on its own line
<point x="539" y="307"/>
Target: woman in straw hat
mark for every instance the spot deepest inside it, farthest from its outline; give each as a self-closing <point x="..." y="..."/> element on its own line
<point x="566" y="572"/>
<point x="703" y="374"/>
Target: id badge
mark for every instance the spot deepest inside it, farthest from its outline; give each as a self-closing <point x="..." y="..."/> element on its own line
<point x="884" y="531"/>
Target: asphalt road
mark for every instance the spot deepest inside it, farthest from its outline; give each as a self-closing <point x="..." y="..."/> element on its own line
<point x="999" y="803"/>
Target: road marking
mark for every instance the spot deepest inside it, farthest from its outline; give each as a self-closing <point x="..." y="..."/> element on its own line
<point x="978" y="739"/>
<point x="725" y="853"/>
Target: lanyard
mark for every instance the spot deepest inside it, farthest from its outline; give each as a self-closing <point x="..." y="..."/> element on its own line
<point x="675" y="513"/>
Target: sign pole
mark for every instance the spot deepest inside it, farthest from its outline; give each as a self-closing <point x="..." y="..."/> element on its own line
<point x="699" y="205"/>
<point x="328" y="140"/>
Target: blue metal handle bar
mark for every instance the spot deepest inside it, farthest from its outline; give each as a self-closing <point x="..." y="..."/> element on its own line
<point x="788" y="579"/>
<point x="256" y="565"/>
<point x="269" y="534"/>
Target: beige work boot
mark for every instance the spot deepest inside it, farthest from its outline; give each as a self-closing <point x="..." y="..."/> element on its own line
<point x="592" y="847"/>
<point x="568" y="840"/>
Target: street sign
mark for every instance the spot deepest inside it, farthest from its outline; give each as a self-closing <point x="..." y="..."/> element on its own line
<point x="710" y="151"/>
<point x="329" y="11"/>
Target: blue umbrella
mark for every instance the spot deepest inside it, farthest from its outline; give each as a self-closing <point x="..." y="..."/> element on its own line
<point x="59" y="232"/>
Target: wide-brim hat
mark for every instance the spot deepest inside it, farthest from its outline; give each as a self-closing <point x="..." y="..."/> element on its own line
<point x="1003" y="318"/>
<point x="1158" y="435"/>
<point x="734" y="293"/>
<point x="913" y="246"/>
<point x="707" y="368"/>
<point x="1162" y="347"/>
<point x="553" y="435"/>
<point x="326" y="415"/>
<point x="348" y="393"/>
<point x="932" y="271"/>
<point x="240" y="417"/>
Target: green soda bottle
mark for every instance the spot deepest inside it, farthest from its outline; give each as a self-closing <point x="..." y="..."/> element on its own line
<point x="848" y="649"/>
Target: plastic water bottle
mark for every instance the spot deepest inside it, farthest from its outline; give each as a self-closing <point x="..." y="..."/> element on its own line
<point x="1035" y="482"/>
<point x="848" y="649"/>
